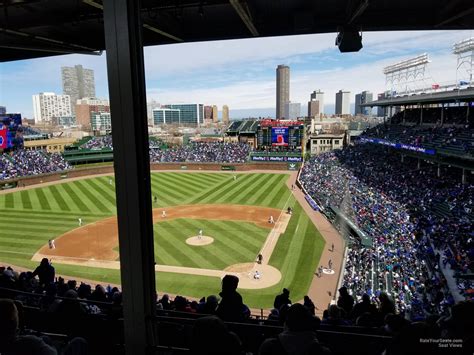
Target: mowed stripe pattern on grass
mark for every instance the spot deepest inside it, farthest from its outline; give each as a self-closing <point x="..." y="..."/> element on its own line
<point x="29" y="218"/>
<point x="233" y="243"/>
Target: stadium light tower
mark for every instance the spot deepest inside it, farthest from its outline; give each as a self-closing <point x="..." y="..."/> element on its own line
<point x="465" y="65"/>
<point x="402" y="76"/>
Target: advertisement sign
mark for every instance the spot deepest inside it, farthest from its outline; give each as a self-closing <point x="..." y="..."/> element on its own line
<point x="280" y="136"/>
<point x="184" y="167"/>
<point x="292" y="166"/>
<point x="413" y="148"/>
<point x="274" y="158"/>
<point x="227" y="167"/>
<point x="3" y="138"/>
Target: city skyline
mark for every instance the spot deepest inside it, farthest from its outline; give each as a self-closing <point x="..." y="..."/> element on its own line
<point x="244" y="78"/>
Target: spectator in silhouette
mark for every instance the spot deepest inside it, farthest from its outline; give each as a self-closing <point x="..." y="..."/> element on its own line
<point x="210" y="336"/>
<point x="231" y="305"/>
<point x="365" y="306"/>
<point x="386" y="306"/>
<point x="281" y="299"/>
<point x="334" y="316"/>
<point x="210" y="306"/>
<point x="345" y="300"/>
<point x="45" y="272"/>
<point x="165" y="302"/>
<point x="10" y="342"/>
<point x="308" y="303"/>
<point x="298" y="337"/>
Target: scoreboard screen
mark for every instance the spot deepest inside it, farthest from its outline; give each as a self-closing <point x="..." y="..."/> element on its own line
<point x="280" y="136"/>
<point x="11" y="131"/>
<point x="289" y="137"/>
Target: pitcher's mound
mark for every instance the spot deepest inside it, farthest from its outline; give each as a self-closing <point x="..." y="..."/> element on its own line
<point x="204" y="240"/>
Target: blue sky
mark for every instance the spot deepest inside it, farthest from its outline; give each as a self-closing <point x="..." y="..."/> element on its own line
<point x="241" y="73"/>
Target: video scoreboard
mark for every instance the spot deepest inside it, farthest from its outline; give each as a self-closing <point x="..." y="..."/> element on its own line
<point x="280" y="136"/>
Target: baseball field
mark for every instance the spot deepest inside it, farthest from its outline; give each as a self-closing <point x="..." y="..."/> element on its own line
<point x="231" y="210"/>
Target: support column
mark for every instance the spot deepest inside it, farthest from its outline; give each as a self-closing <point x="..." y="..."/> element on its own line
<point x="467" y="113"/>
<point x="421" y="115"/>
<point x="463" y="179"/>
<point x="438" y="173"/>
<point x="419" y="163"/>
<point x="126" y="79"/>
<point x="403" y="158"/>
<point x="442" y="113"/>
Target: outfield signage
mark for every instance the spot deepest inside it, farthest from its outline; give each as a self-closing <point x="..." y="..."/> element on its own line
<point x="227" y="167"/>
<point x="413" y="148"/>
<point x="292" y="166"/>
<point x="276" y="159"/>
<point x="312" y="203"/>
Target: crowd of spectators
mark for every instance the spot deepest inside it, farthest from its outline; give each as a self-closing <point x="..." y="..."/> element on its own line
<point x="30" y="162"/>
<point x="54" y="295"/>
<point x="203" y="152"/>
<point x="396" y="204"/>
<point x="98" y="143"/>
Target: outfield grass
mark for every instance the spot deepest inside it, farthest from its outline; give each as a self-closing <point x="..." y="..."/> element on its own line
<point x="234" y="242"/>
<point x="29" y="218"/>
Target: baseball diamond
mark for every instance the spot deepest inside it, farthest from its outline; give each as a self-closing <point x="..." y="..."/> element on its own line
<point x="233" y="212"/>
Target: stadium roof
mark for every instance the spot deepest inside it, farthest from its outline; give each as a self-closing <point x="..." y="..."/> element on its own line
<point x="38" y="28"/>
<point x="465" y="95"/>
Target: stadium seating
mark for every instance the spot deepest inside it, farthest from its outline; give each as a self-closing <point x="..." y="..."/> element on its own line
<point x="411" y="214"/>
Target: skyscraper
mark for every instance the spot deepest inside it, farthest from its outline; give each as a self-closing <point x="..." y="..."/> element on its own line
<point x="343" y="103"/>
<point x="282" y="89"/>
<point x="225" y="114"/>
<point x="318" y="96"/>
<point x="78" y="83"/>
<point x="292" y="110"/>
<point x="215" y="114"/>
<point x="48" y="105"/>
<point x="381" y="111"/>
<point x="363" y="98"/>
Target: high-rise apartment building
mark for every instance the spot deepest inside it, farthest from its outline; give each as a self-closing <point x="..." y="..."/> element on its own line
<point x="190" y="114"/>
<point x="363" y="98"/>
<point x="86" y="106"/>
<point x="292" y="110"/>
<point x="380" y="109"/>
<point x="3" y="110"/>
<point x="318" y="95"/>
<point x="101" y="121"/>
<point x="343" y="102"/>
<point x="78" y="83"/>
<point x="282" y="89"/>
<point x="215" y="114"/>
<point x="225" y="114"/>
<point x="47" y="105"/>
<point x="313" y="108"/>
<point x="166" y="116"/>
<point x="208" y="113"/>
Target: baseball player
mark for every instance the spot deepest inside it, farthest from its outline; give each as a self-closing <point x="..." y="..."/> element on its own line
<point x="51" y="244"/>
<point x="110" y="181"/>
<point x="200" y="234"/>
<point x="330" y="264"/>
<point x="235" y="177"/>
<point x="271" y="220"/>
<point x="256" y="276"/>
<point x="80" y="221"/>
<point x="163" y="214"/>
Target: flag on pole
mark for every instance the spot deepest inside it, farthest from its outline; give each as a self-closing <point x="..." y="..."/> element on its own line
<point x="435" y="86"/>
<point x="463" y="82"/>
